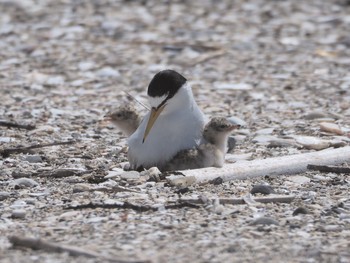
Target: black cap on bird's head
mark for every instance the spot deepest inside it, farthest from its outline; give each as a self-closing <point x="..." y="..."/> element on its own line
<point x="166" y="82"/>
<point x="164" y="85"/>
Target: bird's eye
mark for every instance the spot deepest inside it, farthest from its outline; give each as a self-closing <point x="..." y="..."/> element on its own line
<point x="223" y="126"/>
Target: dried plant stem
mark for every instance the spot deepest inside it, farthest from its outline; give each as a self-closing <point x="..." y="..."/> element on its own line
<point x="8" y="151"/>
<point x="39" y="244"/>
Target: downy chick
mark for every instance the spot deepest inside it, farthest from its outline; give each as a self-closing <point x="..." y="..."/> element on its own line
<point x="126" y="118"/>
<point x="211" y="152"/>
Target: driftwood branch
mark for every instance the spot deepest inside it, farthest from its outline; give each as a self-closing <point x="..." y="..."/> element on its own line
<point x="10" y="124"/>
<point x="39" y="244"/>
<point x="241" y="201"/>
<point x="329" y="169"/>
<point x="8" y="151"/>
<point x="127" y="205"/>
<point x="284" y="165"/>
<point x="184" y="203"/>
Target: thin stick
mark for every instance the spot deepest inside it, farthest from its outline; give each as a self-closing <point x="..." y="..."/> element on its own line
<point x="180" y="44"/>
<point x="9" y="124"/>
<point x="241" y="201"/>
<point x="285" y="165"/>
<point x="328" y="169"/>
<point x="39" y="244"/>
<point x="139" y="102"/>
<point x="127" y="205"/>
<point x="207" y="56"/>
<point x="8" y="151"/>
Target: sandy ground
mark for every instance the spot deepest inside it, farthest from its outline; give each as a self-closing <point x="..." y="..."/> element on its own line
<point x="280" y="66"/>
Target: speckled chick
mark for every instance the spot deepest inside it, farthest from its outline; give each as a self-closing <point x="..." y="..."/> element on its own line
<point x="126" y="118"/>
<point x="210" y="153"/>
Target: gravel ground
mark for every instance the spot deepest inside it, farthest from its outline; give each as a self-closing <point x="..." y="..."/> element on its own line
<point x="282" y="67"/>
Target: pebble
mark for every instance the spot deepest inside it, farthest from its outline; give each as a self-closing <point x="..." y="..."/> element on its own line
<point x="262" y="189"/>
<point x="265" y="131"/>
<point x="81" y="188"/>
<point x="76" y="215"/>
<point x="130" y="175"/>
<point x="316" y="115"/>
<point x="236" y="120"/>
<point x="281" y="143"/>
<point x="33" y="158"/>
<point x="331" y="127"/>
<point x="238" y="157"/>
<point x="300" y="210"/>
<point x="233" y="86"/>
<point x="299" y="179"/>
<point x="23" y="182"/>
<point x="264" y="139"/>
<point x="108" y="72"/>
<point x="313" y="143"/>
<point x="264" y="221"/>
<point x="19" y="174"/>
<point x="7" y="139"/>
<point x="115" y="173"/>
<point x="181" y="181"/>
<point x="4" y="195"/>
<point x="231" y="144"/>
<point x="18" y="213"/>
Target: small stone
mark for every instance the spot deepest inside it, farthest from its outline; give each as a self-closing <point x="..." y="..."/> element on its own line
<point x="55" y="81"/>
<point x="130" y="175"/>
<point x="265" y="131"/>
<point x="237" y="121"/>
<point x="299" y="179"/>
<point x="331" y="127"/>
<point x="316" y="115"/>
<point x="19" y="174"/>
<point x="233" y="86"/>
<point x="313" y="143"/>
<point x="115" y="173"/>
<point x="262" y="189"/>
<point x="4" y="195"/>
<point x="86" y="65"/>
<point x="264" y="221"/>
<point x="181" y="181"/>
<point x="154" y="171"/>
<point x="18" y="213"/>
<point x="81" y="188"/>
<point x="216" y="181"/>
<point x="23" y="182"/>
<point x="280" y="143"/>
<point x="33" y="158"/>
<point x="264" y="139"/>
<point x="300" y="210"/>
<point x="238" y="157"/>
<point x="108" y="72"/>
<point x="231" y="144"/>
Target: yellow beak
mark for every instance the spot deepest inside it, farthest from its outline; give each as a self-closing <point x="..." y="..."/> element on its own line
<point x="152" y="119"/>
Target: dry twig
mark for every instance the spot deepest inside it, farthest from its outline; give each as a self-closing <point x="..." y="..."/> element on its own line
<point x="241" y="201"/>
<point x="8" y="151"/>
<point x="127" y="205"/>
<point x="10" y="124"/>
<point x="329" y="169"/>
<point x="207" y="56"/>
<point x="39" y="244"/>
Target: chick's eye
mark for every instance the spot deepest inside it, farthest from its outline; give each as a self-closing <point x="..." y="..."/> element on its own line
<point x="223" y="126"/>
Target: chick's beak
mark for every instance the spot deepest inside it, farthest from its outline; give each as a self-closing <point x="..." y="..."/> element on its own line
<point x="155" y="112"/>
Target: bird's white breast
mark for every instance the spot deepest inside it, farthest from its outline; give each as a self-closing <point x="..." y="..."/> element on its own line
<point x="178" y="127"/>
